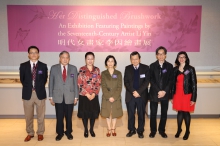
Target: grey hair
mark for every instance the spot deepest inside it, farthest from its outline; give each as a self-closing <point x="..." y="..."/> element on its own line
<point x="64" y="52"/>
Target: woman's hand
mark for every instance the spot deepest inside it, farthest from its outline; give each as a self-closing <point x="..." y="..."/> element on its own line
<point x="192" y="103"/>
<point x="111" y="99"/>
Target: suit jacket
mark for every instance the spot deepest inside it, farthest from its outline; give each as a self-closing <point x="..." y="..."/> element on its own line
<point x="40" y="81"/>
<point x="161" y="79"/>
<point x="59" y="89"/>
<point x="111" y="87"/>
<point x="144" y="79"/>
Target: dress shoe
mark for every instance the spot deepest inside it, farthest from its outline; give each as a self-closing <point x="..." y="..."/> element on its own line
<point x="86" y="134"/>
<point x="108" y="134"/>
<point x="113" y="132"/>
<point x="130" y="133"/>
<point x="163" y="134"/>
<point x="186" y="136"/>
<point x="40" y="137"/>
<point x="152" y="134"/>
<point x="69" y="136"/>
<point x="140" y="135"/>
<point x="59" y="137"/>
<point x="92" y="133"/>
<point x="28" y="138"/>
<point x="178" y="133"/>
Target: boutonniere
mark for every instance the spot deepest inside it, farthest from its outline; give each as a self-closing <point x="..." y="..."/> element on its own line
<point x="114" y="76"/>
<point x="72" y="75"/>
<point x="40" y="72"/>
<point x="164" y="70"/>
<point x="186" y="72"/>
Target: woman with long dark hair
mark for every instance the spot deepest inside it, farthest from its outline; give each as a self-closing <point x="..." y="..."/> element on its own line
<point x="184" y="92"/>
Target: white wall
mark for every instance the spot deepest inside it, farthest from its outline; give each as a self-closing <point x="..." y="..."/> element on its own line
<point x="207" y="58"/>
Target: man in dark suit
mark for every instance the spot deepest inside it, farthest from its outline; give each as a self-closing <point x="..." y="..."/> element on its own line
<point x="136" y="80"/>
<point x="161" y="75"/>
<point x="33" y="76"/>
<point x="63" y="93"/>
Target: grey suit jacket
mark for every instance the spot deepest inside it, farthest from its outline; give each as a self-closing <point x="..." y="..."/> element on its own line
<point x="59" y="89"/>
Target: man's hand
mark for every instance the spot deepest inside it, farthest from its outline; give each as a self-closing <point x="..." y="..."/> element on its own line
<point x="135" y="94"/>
<point x="75" y="101"/>
<point x="161" y="94"/>
<point x="51" y="102"/>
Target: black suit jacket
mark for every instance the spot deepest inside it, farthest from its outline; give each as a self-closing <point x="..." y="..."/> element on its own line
<point x="26" y="80"/>
<point x="143" y="82"/>
<point x="160" y="80"/>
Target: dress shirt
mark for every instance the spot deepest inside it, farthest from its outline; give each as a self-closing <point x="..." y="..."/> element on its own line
<point x="136" y="66"/>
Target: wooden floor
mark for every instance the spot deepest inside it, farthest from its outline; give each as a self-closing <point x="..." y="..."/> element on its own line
<point x="204" y="132"/>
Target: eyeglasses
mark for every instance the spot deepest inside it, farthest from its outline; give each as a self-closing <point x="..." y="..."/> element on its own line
<point x="182" y="57"/>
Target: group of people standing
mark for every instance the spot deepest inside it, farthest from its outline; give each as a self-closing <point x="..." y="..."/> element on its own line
<point x="67" y="87"/>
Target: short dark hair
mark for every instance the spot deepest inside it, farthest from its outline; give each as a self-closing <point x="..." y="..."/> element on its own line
<point x="89" y="53"/>
<point x="161" y="48"/>
<point x="108" y="57"/>
<point x="135" y="53"/>
<point x="187" y="58"/>
<point x="64" y="52"/>
<point x="33" y="47"/>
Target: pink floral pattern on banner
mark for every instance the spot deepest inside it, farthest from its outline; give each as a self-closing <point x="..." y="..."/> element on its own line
<point x="104" y="28"/>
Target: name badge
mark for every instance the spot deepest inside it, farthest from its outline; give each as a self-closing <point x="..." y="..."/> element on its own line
<point x="142" y="76"/>
<point x="72" y="75"/>
<point x="186" y="72"/>
<point x="40" y="72"/>
<point x="94" y="75"/>
<point x="164" y="71"/>
<point x="114" y="76"/>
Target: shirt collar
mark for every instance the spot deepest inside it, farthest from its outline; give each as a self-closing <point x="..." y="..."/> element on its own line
<point x="136" y="66"/>
<point x="31" y="62"/>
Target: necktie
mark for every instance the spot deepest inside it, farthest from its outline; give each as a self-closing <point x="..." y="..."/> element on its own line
<point x="135" y="68"/>
<point x="34" y="75"/>
<point x="64" y="73"/>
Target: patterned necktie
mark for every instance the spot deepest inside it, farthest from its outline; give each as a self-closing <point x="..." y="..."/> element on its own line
<point x="64" y="73"/>
<point x="34" y="75"/>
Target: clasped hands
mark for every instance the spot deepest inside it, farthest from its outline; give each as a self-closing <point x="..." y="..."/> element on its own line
<point x="161" y="94"/>
<point x="136" y="94"/>
<point x="90" y="96"/>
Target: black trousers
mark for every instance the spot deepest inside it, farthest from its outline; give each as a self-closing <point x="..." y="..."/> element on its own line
<point x="153" y="115"/>
<point x="64" y="110"/>
<point x="132" y="105"/>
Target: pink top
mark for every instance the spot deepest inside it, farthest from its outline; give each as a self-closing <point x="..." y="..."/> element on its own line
<point x="89" y="81"/>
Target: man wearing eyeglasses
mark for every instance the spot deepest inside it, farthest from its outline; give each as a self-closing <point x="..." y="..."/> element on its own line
<point x="161" y="75"/>
<point x="33" y="77"/>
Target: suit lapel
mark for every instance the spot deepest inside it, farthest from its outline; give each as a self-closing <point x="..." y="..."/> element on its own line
<point x="68" y="72"/>
<point x="140" y="72"/>
<point x="29" y="68"/>
<point x="38" y="68"/>
<point x="59" y="71"/>
<point x="132" y="72"/>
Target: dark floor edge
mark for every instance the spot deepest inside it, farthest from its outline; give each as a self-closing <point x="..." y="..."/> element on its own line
<point x="54" y="116"/>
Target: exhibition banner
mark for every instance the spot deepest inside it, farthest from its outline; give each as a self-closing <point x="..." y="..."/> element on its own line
<point x="104" y="28"/>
